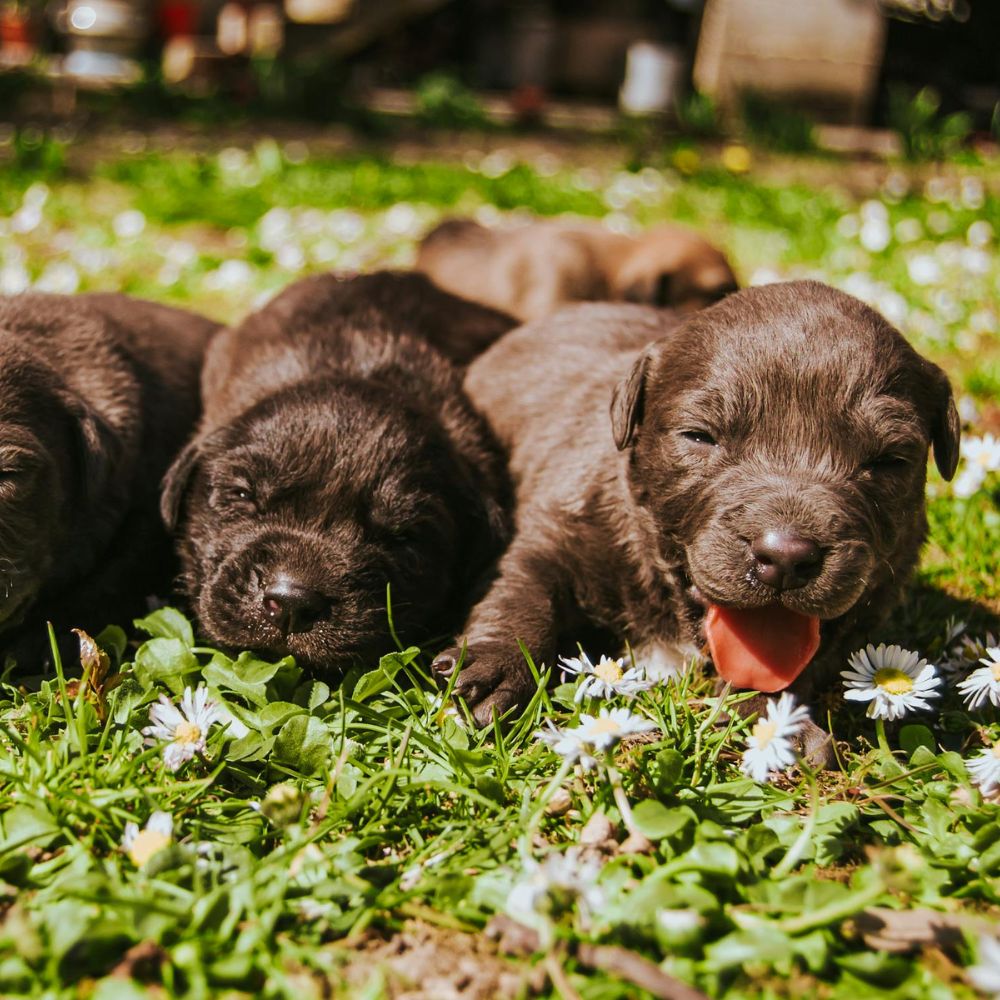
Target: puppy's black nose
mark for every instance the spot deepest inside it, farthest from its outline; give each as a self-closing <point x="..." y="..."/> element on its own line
<point x="784" y="560"/>
<point x="292" y="607"/>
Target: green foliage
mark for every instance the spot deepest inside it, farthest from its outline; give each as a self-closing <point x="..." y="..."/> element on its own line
<point x="775" y="125"/>
<point x="924" y="132"/>
<point x="445" y="102"/>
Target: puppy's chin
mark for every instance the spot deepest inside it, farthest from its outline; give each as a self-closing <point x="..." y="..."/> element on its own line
<point x="16" y="603"/>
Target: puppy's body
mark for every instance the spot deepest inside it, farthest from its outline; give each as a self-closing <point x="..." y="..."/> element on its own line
<point x="97" y="395"/>
<point x="337" y="455"/>
<point x="791" y="412"/>
<point x="530" y="271"/>
<point x="459" y="329"/>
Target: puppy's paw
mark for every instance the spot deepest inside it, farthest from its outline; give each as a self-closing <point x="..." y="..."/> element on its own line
<point x="494" y="677"/>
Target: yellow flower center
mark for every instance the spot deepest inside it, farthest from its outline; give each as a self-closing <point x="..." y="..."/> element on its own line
<point x="894" y="681"/>
<point x="996" y="750"/>
<point x="605" y="725"/>
<point x="996" y="672"/>
<point x="764" y="731"/>
<point x="187" y="732"/>
<point x="984" y="460"/>
<point x="608" y="671"/>
<point x="145" y="845"/>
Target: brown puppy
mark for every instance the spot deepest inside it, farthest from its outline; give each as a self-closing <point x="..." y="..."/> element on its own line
<point x="97" y="395"/>
<point x="753" y="472"/>
<point x="532" y="270"/>
<point x="459" y="329"/>
<point x="338" y="455"/>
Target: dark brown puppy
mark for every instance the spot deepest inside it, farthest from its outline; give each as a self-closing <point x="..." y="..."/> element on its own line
<point x="459" y="329"/>
<point x="530" y="271"/>
<point x="97" y="395"/>
<point x="337" y="455"/>
<point x="767" y="454"/>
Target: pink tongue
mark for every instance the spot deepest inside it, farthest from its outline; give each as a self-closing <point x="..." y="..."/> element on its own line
<point x="761" y="649"/>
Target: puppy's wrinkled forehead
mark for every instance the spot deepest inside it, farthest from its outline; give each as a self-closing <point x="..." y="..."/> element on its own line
<point x="801" y="371"/>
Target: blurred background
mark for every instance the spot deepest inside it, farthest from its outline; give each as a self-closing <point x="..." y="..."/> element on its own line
<point x="699" y="64"/>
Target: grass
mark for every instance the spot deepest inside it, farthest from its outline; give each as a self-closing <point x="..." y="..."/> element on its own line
<point x="326" y="819"/>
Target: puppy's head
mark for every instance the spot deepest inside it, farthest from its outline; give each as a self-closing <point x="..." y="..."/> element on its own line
<point x="674" y="267"/>
<point x="296" y="516"/>
<point x="54" y="454"/>
<point x="778" y="445"/>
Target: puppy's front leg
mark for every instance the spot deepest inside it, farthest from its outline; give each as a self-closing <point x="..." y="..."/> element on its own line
<point x="520" y="605"/>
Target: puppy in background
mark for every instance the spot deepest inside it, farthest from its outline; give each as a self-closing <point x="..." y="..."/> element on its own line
<point x="532" y="270"/>
<point x="337" y="455"/>
<point x="750" y="477"/>
<point x="98" y="393"/>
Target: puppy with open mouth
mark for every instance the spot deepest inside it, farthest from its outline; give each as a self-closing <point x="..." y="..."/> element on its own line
<point x="98" y="393"/>
<point x="338" y="455"/>
<point x="750" y="478"/>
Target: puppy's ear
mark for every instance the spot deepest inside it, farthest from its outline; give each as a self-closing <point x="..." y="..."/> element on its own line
<point x="98" y="447"/>
<point x="627" y="403"/>
<point x="175" y="482"/>
<point x="946" y="426"/>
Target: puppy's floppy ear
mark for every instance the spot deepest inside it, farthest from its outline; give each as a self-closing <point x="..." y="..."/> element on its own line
<point x="175" y="482"/>
<point x="99" y="448"/>
<point x="946" y="426"/>
<point x="627" y="403"/>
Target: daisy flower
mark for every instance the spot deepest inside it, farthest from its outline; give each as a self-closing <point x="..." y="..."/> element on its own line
<point x="984" y="770"/>
<point x="141" y="845"/>
<point x="985" y="975"/>
<point x="968" y="650"/>
<point x="557" y="884"/>
<point x="185" y="729"/>
<point x="608" y="678"/>
<point x="609" y="727"/>
<point x="567" y="743"/>
<point x="983" y="685"/>
<point x="770" y="743"/>
<point x="894" y="681"/>
<point x="595" y="734"/>
<point x="982" y="456"/>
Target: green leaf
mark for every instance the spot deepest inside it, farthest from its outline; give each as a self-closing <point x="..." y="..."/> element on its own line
<point x="655" y="821"/>
<point x="253" y="746"/>
<point x="245" y="676"/>
<point x="376" y="681"/>
<point x="913" y="736"/>
<point x="164" y="661"/>
<point x="113" y="641"/>
<point x="876" y="967"/>
<point x="764" y="943"/>
<point x="125" y="698"/>
<point x="167" y="623"/>
<point x="710" y="859"/>
<point x="669" y="769"/>
<point x="276" y="713"/>
<point x="24" y="825"/>
<point x="303" y="744"/>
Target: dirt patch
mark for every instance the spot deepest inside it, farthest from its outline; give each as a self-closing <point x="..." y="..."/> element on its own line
<point x="421" y="962"/>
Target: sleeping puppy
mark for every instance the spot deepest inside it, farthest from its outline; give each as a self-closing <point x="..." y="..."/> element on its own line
<point x="751" y="476"/>
<point x="459" y="329"/>
<point x="337" y="455"/>
<point x="97" y="395"/>
<point x="532" y="270"/>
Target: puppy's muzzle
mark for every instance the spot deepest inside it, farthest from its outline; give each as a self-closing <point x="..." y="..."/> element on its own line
<point x="292" y="607"/>
<point x="785" y="560"/>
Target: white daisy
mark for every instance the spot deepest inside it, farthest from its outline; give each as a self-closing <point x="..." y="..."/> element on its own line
<point x="968" y="650"/>
<point x="770" y="743"/>
<point x="185" y="728"/>
<point x="982" y="456"/>
<point x="609" y="727"/>
<point x="559" y="883"/>
<point x="567" y="743"/>
<point x="983" y="685"/>
<point x="984" y="769"/>
<point x="141" y="845"/>
<point x="608" y="678"/>
<point x="985" y="975"/>
<point x="894" y="681"/>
